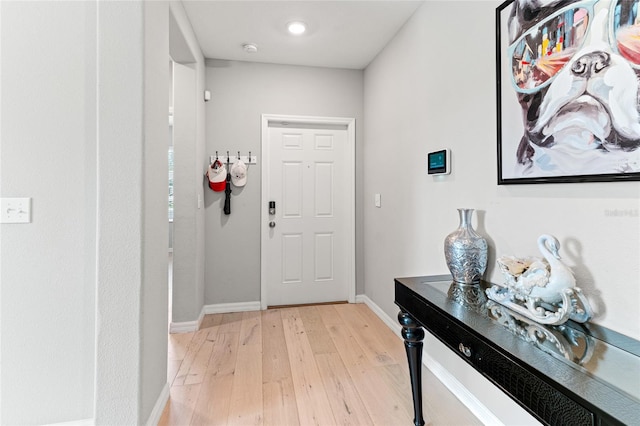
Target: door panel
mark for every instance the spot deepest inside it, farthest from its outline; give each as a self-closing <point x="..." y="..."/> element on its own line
<point x="324" y="189"/>
<point x="324" y="257"/>
<point x="292" y="254"/>
<point x="292" y="189"/>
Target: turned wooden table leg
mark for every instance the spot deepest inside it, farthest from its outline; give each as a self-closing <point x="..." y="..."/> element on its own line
<point x="413" y="335"/>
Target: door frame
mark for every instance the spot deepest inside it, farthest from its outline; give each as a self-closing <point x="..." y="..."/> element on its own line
<point x="350" y="187"/>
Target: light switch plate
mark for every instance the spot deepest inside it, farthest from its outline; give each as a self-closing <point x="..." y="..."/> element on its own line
<point x="377" y="200"/>
<point x="15" y="210"/>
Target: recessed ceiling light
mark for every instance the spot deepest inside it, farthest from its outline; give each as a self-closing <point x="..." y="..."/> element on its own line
<point x="296" y="27"/>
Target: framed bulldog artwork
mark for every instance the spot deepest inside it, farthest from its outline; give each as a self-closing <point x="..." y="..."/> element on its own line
<point x="568" y="81"/>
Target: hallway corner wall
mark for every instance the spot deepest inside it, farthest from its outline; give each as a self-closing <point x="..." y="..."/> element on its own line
<point x="240" y="93"/>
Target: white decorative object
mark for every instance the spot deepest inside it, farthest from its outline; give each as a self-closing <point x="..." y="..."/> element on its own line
<point x="558" y="340"/>
<point x="543" y="290"/>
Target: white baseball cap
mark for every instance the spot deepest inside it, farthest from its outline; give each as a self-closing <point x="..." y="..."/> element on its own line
<point x="217" y="174"/>
<point x="239" y="173"/>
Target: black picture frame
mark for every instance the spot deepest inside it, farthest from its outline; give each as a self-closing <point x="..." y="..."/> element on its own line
<point x="514" y="144"/>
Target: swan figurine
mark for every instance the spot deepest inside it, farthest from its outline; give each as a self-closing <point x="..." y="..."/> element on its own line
<point x="544" y="289"/>
<point x="560" y="275"/>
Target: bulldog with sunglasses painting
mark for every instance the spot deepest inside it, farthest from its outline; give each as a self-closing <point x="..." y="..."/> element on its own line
<point x="575" y="67"/>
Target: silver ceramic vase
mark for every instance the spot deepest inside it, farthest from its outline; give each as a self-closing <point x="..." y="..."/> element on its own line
<point x="466" y="251"/>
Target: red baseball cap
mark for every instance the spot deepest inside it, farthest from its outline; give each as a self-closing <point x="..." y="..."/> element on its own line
<point x="217" y="174"/>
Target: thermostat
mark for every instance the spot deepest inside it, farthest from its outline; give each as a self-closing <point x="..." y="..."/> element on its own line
<point x="439" y="162"/>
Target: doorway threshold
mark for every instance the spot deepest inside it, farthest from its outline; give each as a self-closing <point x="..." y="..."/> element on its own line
<point x="337" y="302"/>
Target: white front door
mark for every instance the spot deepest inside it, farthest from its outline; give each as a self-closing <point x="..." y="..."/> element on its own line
<point x="308" y="243"/>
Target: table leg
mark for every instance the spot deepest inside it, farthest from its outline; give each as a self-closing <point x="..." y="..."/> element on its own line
<point x="413" y="335"/>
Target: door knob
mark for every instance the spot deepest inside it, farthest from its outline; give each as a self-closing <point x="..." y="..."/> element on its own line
<point x="272" y="224"/>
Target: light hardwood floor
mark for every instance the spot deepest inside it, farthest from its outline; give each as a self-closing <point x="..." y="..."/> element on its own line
<point x="312" y="365"/>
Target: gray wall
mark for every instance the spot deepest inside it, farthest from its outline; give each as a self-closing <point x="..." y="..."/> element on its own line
<point x="241" y="92"/>
<point x="422" y="105"/>
<point x="188" y="140"/>
<point x="154" y="292"/>
<point x="433" y="87"/>
<point x="187" y="295"/>
<point x="47" y="273"/>
<point x="84" y="286"/>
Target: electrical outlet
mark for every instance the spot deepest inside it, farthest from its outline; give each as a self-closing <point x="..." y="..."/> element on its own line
<point x="15" y="210"/>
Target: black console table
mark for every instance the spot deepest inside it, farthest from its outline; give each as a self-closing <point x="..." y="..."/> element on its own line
<point x="570" y="374"/>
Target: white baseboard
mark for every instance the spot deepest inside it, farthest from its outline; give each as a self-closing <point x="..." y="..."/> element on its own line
<point x="186" y="326"/>
<point x="156" y="413"/>
<point x="219" y="308"/>
<point x="82" y="422"/>
<point x="460" y="391"/>
<point x="225" y="308"/>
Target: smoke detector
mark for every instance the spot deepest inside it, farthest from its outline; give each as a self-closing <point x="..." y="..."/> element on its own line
<point x="250" y="48"/>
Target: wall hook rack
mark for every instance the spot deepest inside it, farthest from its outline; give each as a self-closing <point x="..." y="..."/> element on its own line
<point x="247" y="159"/>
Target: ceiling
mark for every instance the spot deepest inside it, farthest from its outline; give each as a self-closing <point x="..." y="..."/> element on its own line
<point x="340" y="34"/>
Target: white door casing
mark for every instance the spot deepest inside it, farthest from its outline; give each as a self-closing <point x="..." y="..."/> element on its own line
<point x="308" y="169"/>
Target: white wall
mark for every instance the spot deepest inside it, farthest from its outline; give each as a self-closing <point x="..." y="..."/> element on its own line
<point x="120" y="215"/>
<point x="432" y="87"/>
<point x="48" y="152"/>
<point x="188" y="139"/>
<point x="153" y="364"/>
<point x="84" y="286"/>
<point x="240" y="93"/>
<point x="188" y="297"/>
